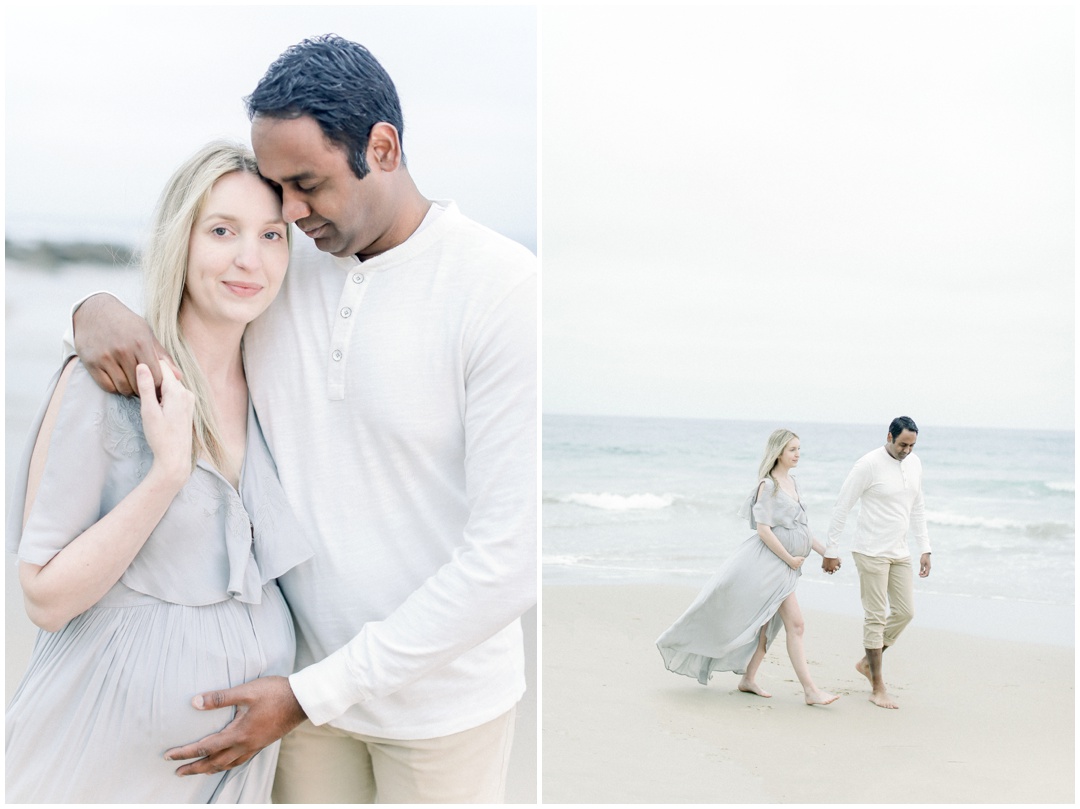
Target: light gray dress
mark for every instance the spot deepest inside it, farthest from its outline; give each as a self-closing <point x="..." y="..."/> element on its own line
<point x="719" y="631"/>
<point x="197" y="610"/>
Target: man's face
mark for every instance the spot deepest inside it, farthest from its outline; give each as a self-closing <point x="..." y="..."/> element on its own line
<point x="320" y="193"/>
<point x="901" y="446"/>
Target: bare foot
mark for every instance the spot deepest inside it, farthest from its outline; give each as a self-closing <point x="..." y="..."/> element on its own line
<point x="820" y="697"/>
<point x="883" y="700"/>
<point x="863" y="667"/>
<point x="750" y="687"/>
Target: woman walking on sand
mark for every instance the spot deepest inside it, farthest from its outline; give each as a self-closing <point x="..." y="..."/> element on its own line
<point x="150" y="532"/>
<point x="735" y="618"/>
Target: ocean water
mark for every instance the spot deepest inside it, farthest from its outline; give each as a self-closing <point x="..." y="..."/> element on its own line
<point x="629" y="500"/>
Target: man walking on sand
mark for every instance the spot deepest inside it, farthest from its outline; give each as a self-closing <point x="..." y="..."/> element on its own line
<point x="888" y="482"/>
<point x="395" y="379"/>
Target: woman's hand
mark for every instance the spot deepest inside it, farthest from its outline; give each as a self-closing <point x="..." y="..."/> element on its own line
<point x="79" y="575"/>
<point x="796" y="562"/>
<point x="167" y="424"/>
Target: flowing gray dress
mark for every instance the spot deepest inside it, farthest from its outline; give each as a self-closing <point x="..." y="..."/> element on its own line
<point x="719" y="631"/>
<point x="198" y="609"/>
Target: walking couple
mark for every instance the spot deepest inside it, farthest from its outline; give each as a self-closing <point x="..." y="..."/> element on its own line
<point x="738" y="613"/>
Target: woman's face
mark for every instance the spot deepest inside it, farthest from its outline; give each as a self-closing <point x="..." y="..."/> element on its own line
<point x="790" y="456"/>
<point x="237" y="252"/>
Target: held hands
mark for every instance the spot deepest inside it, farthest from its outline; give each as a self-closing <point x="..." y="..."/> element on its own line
<point x="167" y="424"/>
<point x="830" y="566"/>
<point x="111" y="341"/>
<point x="266" y="710"/>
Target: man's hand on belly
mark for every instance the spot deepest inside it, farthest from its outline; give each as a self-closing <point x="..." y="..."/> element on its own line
<point x="266" y="710"/>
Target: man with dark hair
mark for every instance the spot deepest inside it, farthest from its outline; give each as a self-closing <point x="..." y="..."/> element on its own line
<point x="337" y="83"/>
<point x="395" y="378"/>
<point x="888" y="482"/>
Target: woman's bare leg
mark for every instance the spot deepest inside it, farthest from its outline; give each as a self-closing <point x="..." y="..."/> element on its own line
<point x="791" y="615"/>
<point x="747" y="683"/>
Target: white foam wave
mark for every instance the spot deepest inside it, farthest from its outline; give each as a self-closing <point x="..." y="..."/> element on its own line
<point x="1061" y="486"/>
<point x="568" y="560"/>
<point x="619" y="502"/>
<point x="964" y="521"/>
<point x="998" y="524"/>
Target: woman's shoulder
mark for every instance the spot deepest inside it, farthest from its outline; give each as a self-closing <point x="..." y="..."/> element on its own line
<point x="76" y="380"/>
<point x="71" y="391"/>
<point x="87" y="406"/>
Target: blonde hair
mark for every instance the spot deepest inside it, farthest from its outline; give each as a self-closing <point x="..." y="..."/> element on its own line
<point x="773" y="449"/>
<point x="165" y="265"/>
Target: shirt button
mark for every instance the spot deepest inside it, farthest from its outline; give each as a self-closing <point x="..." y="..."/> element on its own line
<point x="358" y="278"/>
<point x="346" y="312"/>
<point x="336" y="355"/>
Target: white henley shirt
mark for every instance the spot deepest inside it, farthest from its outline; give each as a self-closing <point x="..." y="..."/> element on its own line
<point x="398" y="397"/>
<point x="891" y="498"/>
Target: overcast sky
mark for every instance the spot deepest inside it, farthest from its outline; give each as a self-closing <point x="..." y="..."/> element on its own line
<point x="836" y="214"/>
<point x="812" y="213"/>
<point x="103" y="102"/>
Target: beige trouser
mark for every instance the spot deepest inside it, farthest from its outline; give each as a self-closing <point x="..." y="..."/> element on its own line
<point x="887" y="590"/>
<point x="321" y="764"/>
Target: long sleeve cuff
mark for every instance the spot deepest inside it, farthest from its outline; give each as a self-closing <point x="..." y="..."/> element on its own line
<point x="323" y="689"/>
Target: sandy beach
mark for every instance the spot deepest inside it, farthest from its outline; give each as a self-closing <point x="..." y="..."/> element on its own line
<point x="981" y="720"/>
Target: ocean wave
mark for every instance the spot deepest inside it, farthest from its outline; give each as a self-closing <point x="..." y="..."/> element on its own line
<point x="619" y="502"/>
<point x="964" y="521"/>
<point x="1061" y="486"/>
<point x="1048" y="529"/>
<point x="566" y="559"/>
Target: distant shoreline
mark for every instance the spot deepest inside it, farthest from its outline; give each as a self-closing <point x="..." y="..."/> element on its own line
<point x="49" y="254"/>
<point x="769" y="424"/>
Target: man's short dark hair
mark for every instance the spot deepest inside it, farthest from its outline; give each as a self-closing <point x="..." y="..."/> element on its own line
<point x="900" y="424"/>
<point x="339" y="84"/>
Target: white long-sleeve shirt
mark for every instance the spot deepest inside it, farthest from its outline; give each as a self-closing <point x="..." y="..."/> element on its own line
<point x="891" y="498"/>
<point x="398" y="397"/>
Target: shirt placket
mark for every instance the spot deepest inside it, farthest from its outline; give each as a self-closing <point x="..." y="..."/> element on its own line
<point x="344" y="319"/>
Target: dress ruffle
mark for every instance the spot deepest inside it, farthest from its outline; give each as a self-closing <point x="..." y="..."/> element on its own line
<point x="98" y="454"/>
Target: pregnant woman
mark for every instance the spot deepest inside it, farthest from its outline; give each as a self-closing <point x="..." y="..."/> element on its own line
<point x="150" y="532"/>
<point x="735" y="618"/>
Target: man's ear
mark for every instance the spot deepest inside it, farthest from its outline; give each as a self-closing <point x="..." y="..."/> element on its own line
<point x="384" y="147"/>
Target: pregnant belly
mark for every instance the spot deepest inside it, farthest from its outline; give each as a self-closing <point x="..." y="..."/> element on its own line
<point x="795" y="540"/>
<point x="121" y="679"/>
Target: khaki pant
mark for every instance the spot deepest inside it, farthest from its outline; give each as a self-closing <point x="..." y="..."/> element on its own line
<point x="887" y="590"/>
<point x="326" y="765"/>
